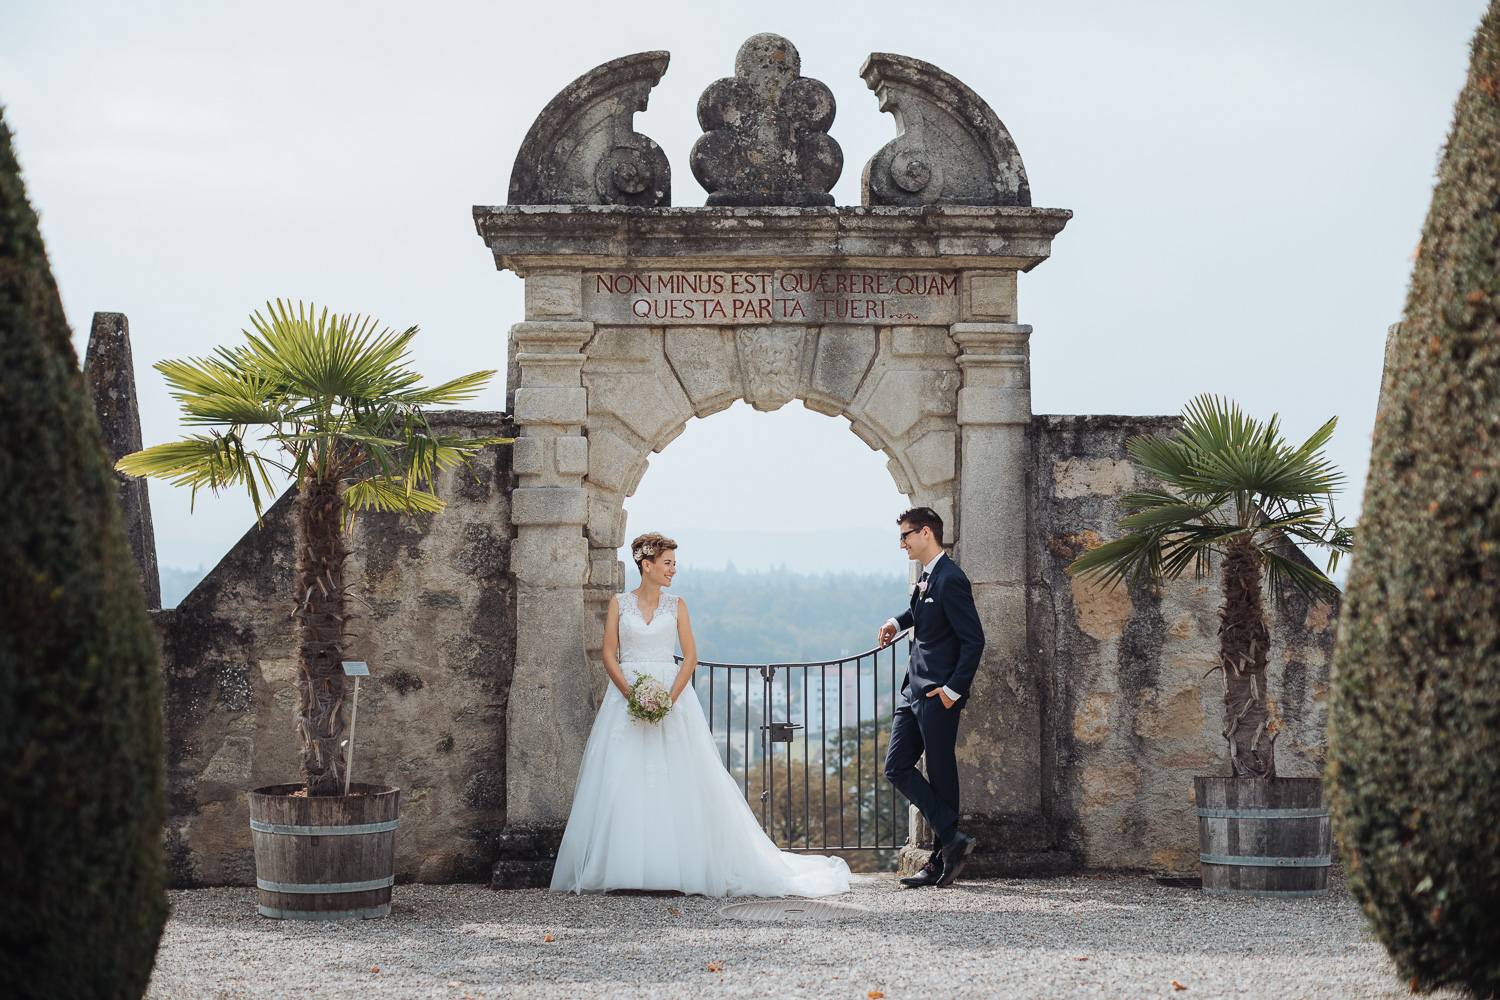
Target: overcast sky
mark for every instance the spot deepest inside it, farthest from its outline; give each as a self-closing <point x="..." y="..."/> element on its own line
<point x="1248" y="182"/>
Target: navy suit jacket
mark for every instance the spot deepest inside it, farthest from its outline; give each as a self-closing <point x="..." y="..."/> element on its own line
<point x="948" y="640"/>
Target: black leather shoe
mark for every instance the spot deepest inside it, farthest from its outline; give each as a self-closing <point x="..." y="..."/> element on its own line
<point x="955" y="853"/>
<point x="927" y="875"/>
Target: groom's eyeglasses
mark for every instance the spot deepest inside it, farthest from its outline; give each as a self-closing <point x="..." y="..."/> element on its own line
<point x="908" y="531"/>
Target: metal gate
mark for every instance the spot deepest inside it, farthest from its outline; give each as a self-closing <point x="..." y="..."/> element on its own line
<point x="806" y="742"/>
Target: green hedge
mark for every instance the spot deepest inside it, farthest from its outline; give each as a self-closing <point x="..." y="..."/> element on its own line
<point x="1415" y="764"/>
<point x="82" y="902"/>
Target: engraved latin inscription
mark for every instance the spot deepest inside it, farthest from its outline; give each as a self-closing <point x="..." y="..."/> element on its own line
<point x="814" y="296"/>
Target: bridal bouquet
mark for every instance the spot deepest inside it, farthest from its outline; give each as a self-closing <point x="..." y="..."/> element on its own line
<point x="649" y="701"/>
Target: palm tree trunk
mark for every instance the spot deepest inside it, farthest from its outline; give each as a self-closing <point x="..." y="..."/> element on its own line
<point x="320" y="617"/>
<point x="1250" y="725"/>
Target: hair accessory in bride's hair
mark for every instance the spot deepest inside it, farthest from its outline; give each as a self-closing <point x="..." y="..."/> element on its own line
<point x="651" y="545"/>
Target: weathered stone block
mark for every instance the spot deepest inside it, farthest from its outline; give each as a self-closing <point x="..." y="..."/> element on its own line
<point x="843" y="357"/>
<point x="902" y="397"/>
<point x="548" y="371"/>
<point x="612" y="461"/>
<point x="554" y="295"/>
<point x="1101" y="612"/>
<point x="530" y="456"/>
<point x="1178" y="715"/>
<point x="993" y="404"/>
<point x="572" y="455"/>
<point x="705" y="362"/>
<point x="1091" y="719"/>
<point x="1078" y="477"/>
<point x="606" y="525"/>
<point x="996" y="461"/>
<point x="603" y="566"/>
<point x="551" y="336"/>
<point x="933" y="457"/>
<point x="921" y="341"/>
<point x="625" y="343"/>
<point x="551" y="557"/>
<point x="549" y="505"/>
<point x="551" y="406"/>
<point x="898" y="473"/>
<point x="649" y="403"/>
<point x="1106" y="785"/>
<point x="993" y="296"/>
<point x="550" y="708"/>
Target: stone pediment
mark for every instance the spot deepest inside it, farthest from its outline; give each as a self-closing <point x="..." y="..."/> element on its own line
<point x="766" y="138"/>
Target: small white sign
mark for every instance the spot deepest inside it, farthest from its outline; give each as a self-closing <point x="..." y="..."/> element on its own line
<point x="356" y="668"/>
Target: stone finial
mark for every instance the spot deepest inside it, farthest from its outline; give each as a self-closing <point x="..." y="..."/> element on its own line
<point x="766" y="136"/>
<point x="951" y="149"/>
<point x="110" y="373"/>
<point x="583" y="148"/>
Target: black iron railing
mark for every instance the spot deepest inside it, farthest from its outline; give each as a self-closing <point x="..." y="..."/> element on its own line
<point x="806" y="742"/>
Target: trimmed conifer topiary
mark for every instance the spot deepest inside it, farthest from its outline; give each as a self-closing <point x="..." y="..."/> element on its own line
<point x="82" y="899"/>
<point x="1415" y="751"/>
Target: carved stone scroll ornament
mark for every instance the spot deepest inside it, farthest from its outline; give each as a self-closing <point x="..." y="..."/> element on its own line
<point x="766" y="136"/>
<point x="951" y="148"/>
<point x="583" y="148"/>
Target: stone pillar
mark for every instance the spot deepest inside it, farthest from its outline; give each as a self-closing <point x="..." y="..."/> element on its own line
<point x="1000" y="744"/>
<point x="110" y="372"/>
<point x="550" y="710"/>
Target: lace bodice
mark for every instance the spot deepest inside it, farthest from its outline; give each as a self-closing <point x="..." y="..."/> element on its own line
<point x="643" y="643"/>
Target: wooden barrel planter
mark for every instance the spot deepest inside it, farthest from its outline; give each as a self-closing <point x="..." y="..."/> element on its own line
<point x="1263" y="836"/>
<point x="329" y="857"/>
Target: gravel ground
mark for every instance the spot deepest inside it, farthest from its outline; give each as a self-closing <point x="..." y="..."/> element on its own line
<point x="1087" y="936"/>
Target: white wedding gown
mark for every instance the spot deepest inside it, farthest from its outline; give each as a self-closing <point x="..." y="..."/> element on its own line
<point x="655" y="808"/>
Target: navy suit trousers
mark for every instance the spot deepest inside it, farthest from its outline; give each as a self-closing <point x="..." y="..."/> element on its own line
<point x="923" y="725"/>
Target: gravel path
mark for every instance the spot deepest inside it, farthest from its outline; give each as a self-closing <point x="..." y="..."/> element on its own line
<point x="1087" y="936"/>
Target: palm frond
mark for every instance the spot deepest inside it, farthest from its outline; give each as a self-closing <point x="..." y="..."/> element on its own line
<point x="1283" y="570"/>
<point x="382" y="493"/>
<point x="212" y="461"/>
<point x="1167" y="516"/>
<point x="1131" y="559"/>
<point x="1163" y="460"/>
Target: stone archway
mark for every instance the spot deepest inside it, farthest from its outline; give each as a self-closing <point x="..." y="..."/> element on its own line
<point x="899" y="315"/>
<point x="897" y="387"/>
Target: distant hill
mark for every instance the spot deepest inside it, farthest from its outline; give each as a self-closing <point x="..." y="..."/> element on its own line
<point x="178" y="583"/>
<point x="774" y="616"/>
<point x="830" y="550"/>
<point x="785" y="617"/>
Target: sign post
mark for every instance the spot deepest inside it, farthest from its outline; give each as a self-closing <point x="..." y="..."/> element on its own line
<point x="355" y="669"/>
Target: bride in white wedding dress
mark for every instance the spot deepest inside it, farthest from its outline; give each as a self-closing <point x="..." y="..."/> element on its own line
<point x="654" y="807"/>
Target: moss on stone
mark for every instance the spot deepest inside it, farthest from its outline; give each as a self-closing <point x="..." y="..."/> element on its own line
<point x="81" y="750"/>
<point x="1415" y="756"/>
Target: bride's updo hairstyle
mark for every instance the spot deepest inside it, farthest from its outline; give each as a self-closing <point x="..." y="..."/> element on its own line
<point x="652" y="545"/>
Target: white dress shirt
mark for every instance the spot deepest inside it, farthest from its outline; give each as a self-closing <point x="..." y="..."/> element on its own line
<point x="952" y="694"/>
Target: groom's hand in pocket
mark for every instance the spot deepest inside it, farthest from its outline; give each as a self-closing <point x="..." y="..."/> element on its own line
<point x="940" y="693"/>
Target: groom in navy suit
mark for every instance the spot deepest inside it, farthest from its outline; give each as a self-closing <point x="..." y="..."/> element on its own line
<point x="946" y="644"/>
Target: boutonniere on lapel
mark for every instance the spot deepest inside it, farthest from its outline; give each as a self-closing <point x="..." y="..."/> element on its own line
<point x="922" y="588"/>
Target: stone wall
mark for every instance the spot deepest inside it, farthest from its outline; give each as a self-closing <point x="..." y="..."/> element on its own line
<point x="1130" y="712"/>
<point x="437" y="627"/>
<point x="1135" y="711"/>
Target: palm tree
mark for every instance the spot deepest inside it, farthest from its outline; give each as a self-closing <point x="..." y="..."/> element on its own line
<point x="1231" y="487"/>
<point x="335" y="408"/>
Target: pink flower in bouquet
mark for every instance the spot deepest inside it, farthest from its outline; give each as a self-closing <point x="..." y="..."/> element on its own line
<point x="649" y="701"/>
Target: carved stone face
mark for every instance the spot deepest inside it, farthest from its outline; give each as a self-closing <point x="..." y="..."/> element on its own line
<point x="770" y="358"/>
